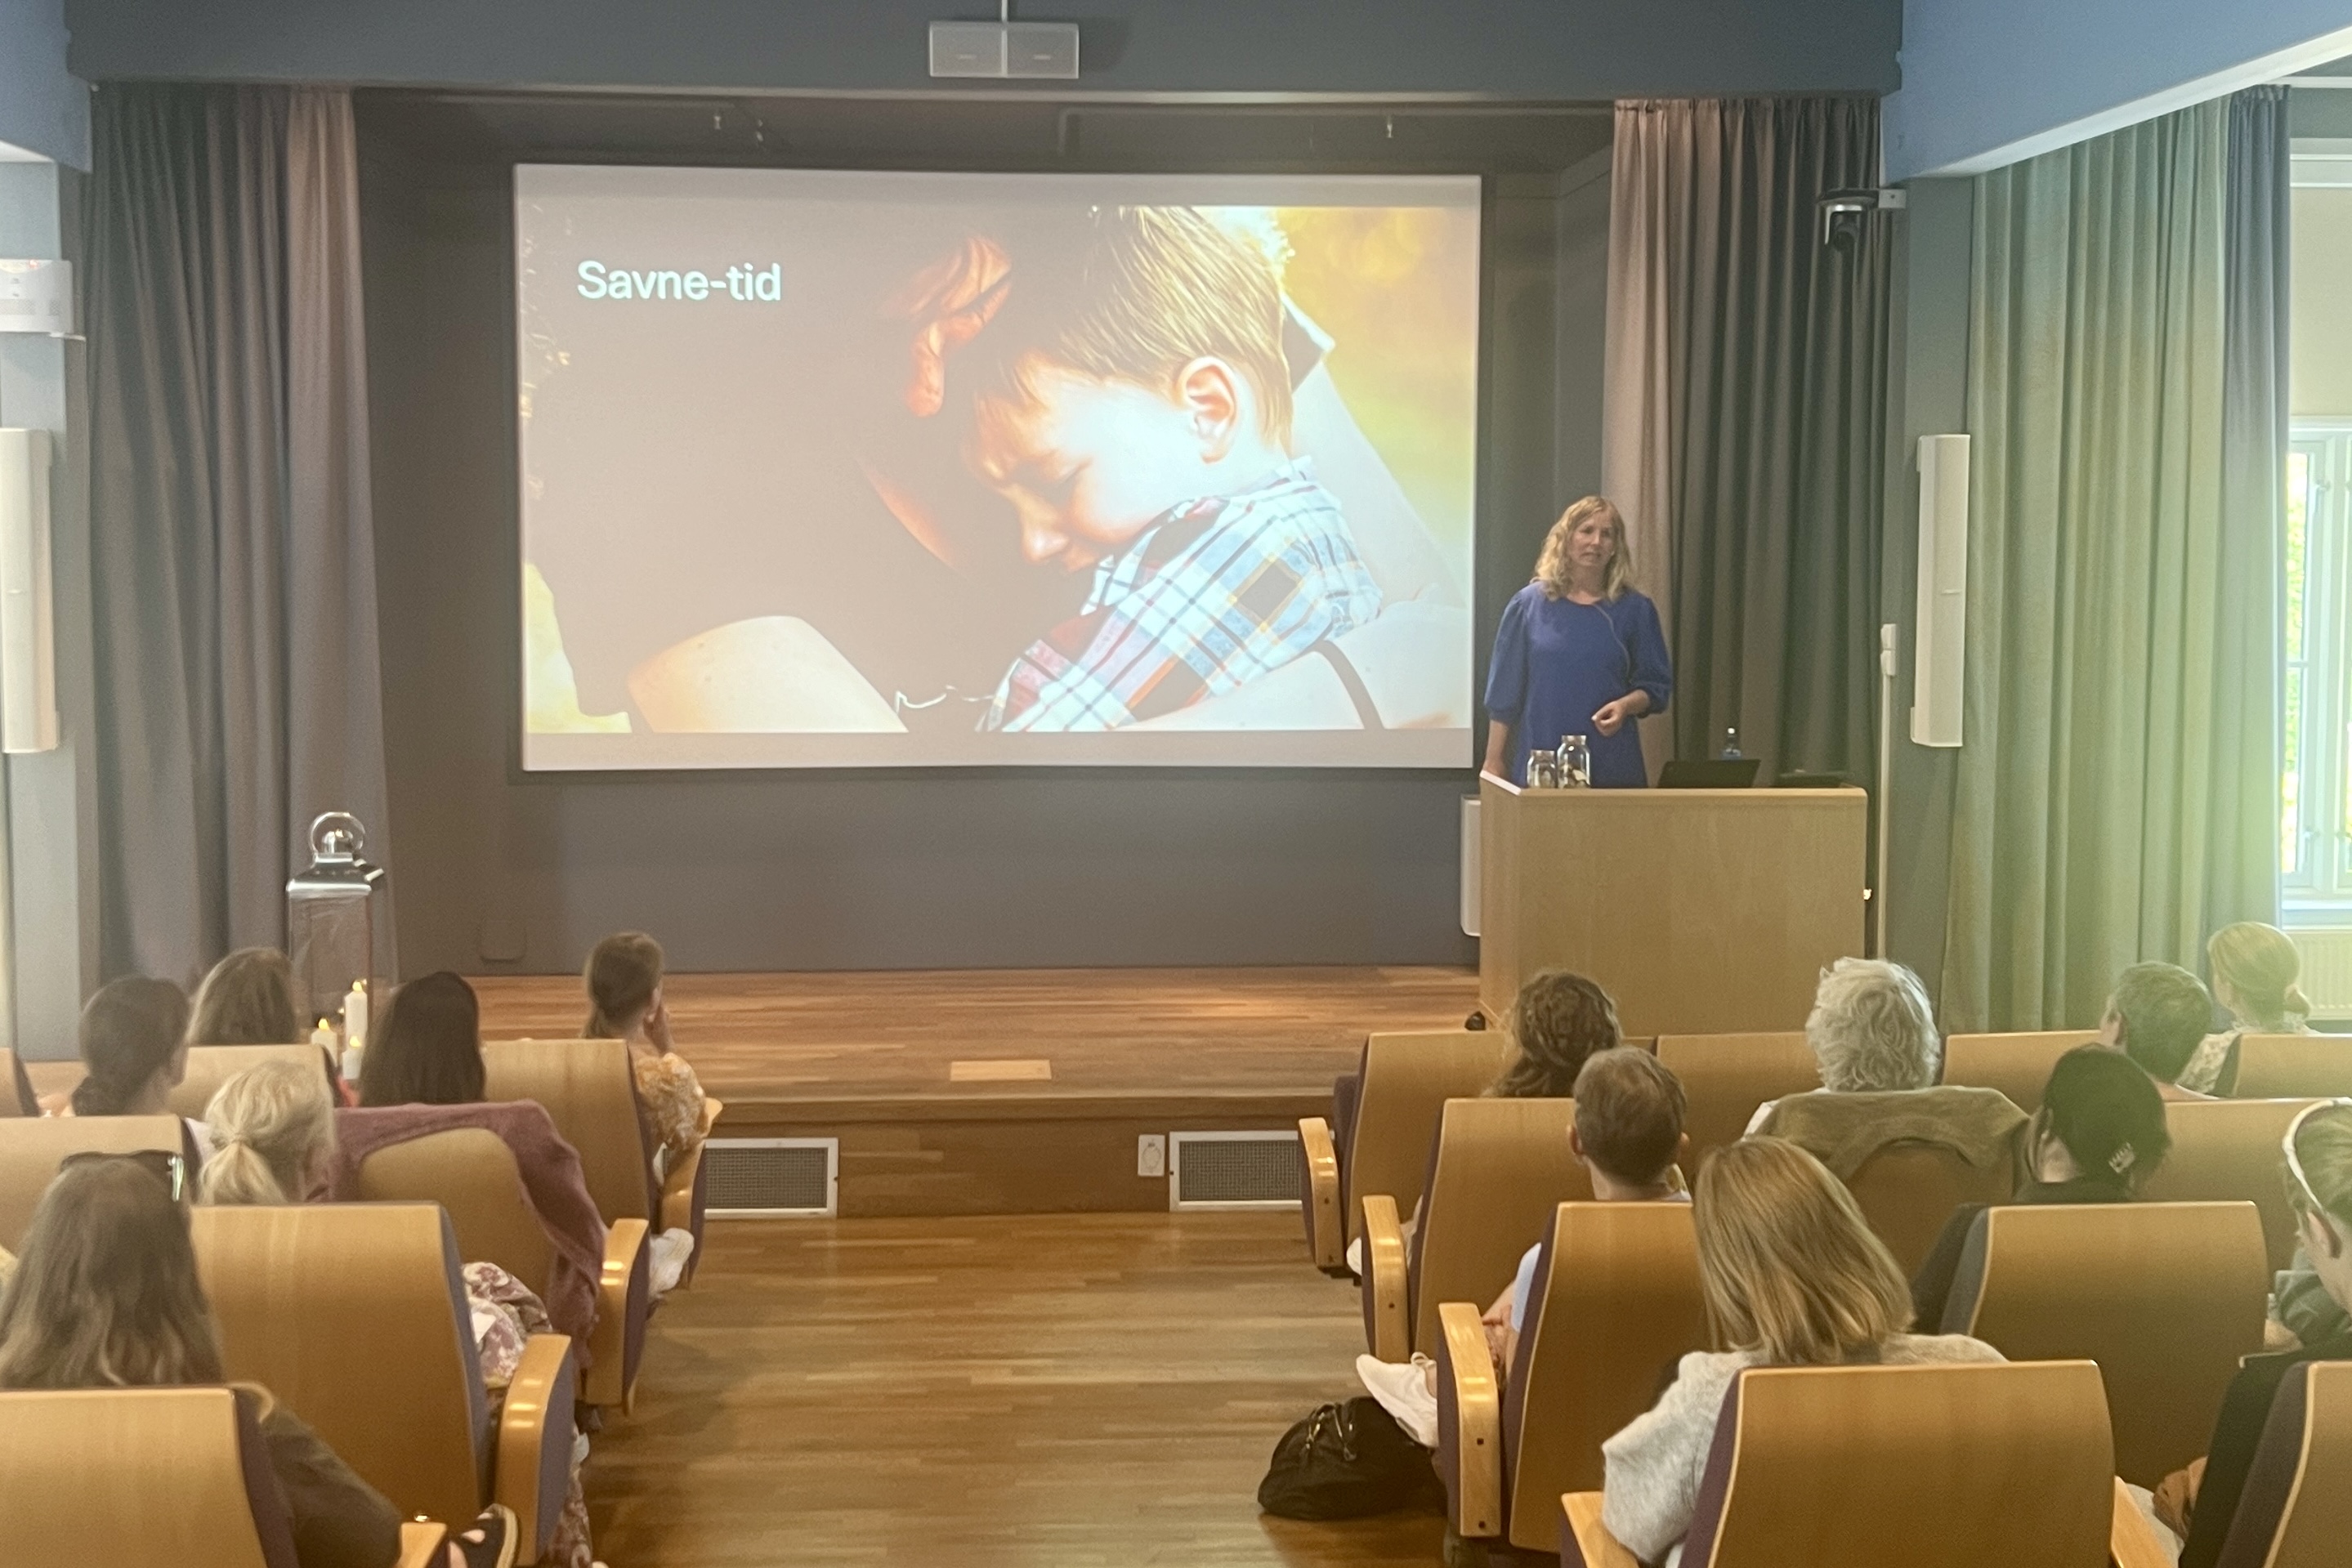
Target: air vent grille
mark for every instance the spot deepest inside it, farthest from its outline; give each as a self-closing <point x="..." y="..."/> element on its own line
<point x="1235" y="1170"/>
<point x="772" y="1176"/>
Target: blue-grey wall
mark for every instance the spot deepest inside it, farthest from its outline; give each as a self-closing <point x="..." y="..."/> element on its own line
<point x="1989" y="79"/>
<point x="43" y="108"/>
<point x="1540" y="49"/>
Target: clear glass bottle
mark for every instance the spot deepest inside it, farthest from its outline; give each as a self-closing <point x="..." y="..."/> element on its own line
<point x="1543" y="770"/>
<point x="1575" y="762"/>
<point x="1730" y="741"/>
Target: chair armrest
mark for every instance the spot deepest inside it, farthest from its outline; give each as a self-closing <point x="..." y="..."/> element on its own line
<point x="1326" y="1228"/>
<point x="1469" y="1445"/>
<point x="2131" y="1540"/>
<point x="1388" y="1320"/>
<point x="710" y="1110"/>
<point x="1583" y="1534"/>
<point x="420" y="1541"/>
<point x="622" y="1298"/>
<point x="677" y="1194"/>
<point x="535" y="1456"/>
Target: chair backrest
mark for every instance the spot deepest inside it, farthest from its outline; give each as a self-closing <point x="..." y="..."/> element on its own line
<point x="1408" y="1077"/>
<point x="589" y="1090"/>
<point x="1614" y="1303"/>
<point x="2304" y="1066"/>
<point x="2166" y="1297"/>
<point x="2296" y="1508"/>
<point x="353" y="1315"/>
<point x="1908" y="1190"/>
<point x="210" y="1066"/>
<point x="2228" y="1151"/>
<point x="31" y="1149"/>
<point x="2017" y="1064"/>
<point x="1725" y="1077"/>
<point x="1930" y="1467"/>
<point x="1498" y="1170"/>
<point x="471" y="1172"/>
<point x="16" y="1097"/>
<point x="138" y="1476"/>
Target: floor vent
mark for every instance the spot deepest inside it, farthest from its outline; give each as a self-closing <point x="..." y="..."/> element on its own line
<point x="771" y="1176"/>
<point x="1234" y="1170"/>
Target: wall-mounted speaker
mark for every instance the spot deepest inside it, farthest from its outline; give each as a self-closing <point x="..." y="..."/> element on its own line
<point x="29" y="667"/>
<point x="1940" y="626"/>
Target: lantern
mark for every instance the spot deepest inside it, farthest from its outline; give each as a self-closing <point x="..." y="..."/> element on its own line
<point x="330" y="920"/>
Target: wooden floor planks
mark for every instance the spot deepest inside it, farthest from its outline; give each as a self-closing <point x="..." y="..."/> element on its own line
<point x="1002" y="1392"/>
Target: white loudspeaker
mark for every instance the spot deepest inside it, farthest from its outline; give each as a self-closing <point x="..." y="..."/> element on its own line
<point x="29" y="670"/>
<point x="1940" y="626"/>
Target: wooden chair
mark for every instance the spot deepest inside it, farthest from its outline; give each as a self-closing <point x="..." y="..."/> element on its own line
<point x="16" y="1096"/>
<point x="210" y="1066"/>
<point x="2165" y="1297"/>
<point x="1615" y="1300"/>
<point x="1498" y="1170"/>
<point x="2017" y="1064"/>
<point x="589" y="1089"/>
<point x="1725" y="1077"/>
<point x="2228" y="1151"/>
<point x="2296" y="1508"/>
<point x="31" y="1149"/>
<point x="1383" y="1146"/>
<point x="1929" y="1467"/>
<point x="140" y="1477"/>
<point x="471" y="1172"/>
<point x="1907" y="1191"/>
<point x="354" y="1316"/>
<point x="2283" y="1066"/>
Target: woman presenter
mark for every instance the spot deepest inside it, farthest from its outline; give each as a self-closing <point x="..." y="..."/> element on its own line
<point x="1580" y="651"/>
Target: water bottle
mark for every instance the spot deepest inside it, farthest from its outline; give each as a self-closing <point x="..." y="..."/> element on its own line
<point x="1575" y="762"/>
<point x="1730" y="742"/>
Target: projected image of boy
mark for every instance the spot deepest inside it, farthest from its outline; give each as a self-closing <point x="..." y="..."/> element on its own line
<point x="1134" y="406"/>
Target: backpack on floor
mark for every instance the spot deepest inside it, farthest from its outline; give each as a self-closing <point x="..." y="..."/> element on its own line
<point x="1346" y="1461"/>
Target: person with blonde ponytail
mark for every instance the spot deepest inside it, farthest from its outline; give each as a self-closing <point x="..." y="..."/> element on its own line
<point x="2254" y="967"/>
<point x="273" y="1133"/>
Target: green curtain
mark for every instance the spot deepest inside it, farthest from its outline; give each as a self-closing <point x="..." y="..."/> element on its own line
<point x="2095" y="600"/>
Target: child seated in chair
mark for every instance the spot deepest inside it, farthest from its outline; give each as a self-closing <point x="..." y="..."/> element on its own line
<point x="624" y="980"/>
<point x="1629" y="1137"/>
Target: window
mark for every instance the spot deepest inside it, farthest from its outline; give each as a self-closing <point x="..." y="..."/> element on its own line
<point x="2315" y="765"/>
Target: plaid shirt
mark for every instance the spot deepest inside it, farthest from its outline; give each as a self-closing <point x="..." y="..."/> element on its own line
<point x="1216" y="593"/>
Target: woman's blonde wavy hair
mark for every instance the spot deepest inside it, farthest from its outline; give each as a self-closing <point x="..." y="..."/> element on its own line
<point x="272" y="1127"/>
<point x="2260" y="965"/>
<point x="1552" y="568"/>
<point x="1787" y="1264"/>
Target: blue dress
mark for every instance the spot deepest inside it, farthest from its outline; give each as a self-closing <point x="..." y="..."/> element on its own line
<point x="1558" y="662"/>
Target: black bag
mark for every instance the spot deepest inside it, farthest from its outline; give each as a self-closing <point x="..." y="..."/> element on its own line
<point x="1346" y="1461"/>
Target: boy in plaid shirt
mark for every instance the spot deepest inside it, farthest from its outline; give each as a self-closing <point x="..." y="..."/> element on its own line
<point x="1135" y="408"/>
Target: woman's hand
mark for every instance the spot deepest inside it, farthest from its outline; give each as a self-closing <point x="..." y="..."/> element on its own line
<point x="1612" y="717"/>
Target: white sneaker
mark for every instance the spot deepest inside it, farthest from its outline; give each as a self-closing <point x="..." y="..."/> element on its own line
<point x="1403" y="1389"/>
<point x="669" y="1250"/>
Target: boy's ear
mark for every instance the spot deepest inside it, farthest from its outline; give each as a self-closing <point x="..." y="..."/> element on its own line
<point x="1210" y="390"/>
<point x="1575" y="1143"/>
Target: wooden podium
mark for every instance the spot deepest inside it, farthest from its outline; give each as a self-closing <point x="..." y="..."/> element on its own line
<point x="1701" y="911"/>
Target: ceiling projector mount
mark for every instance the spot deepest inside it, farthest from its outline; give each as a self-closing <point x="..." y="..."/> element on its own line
<point x="1004" y="49"/>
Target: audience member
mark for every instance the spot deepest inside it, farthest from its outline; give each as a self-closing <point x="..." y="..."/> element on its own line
<point x="2098" y="1134"/>
<point x="106" y="1296"/>
<point x="624" y="980"/>
<point x="2158" y="1017"/>
<point x="2254" y="967"/>
<point x="1628" y="1136"/>
<point x="1793" y="1277"/>
<point x="426" y="1049"/>
<point x="1558" y="1022"/>
<point x="134" y="1049"/>
<point x="247" y="1000"/>
<point x="1874" y="1038"/>
<point x="273" y="1130"/>
<point x="2200" y="1502"/>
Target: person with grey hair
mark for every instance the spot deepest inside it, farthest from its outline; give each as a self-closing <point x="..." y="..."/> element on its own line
<point x="1873" y="1035"/>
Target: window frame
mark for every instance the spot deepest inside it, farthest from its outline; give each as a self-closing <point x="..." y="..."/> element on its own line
<point x="2316" y="885"/>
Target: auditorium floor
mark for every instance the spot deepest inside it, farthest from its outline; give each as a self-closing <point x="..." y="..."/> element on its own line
<point x="1044" y="1392"/>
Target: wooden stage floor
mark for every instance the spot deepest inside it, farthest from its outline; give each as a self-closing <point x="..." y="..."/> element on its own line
<point x="1012" y="1091"/>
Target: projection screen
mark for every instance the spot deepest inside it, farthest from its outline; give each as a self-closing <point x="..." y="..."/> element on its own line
<point x="823" y="469"/>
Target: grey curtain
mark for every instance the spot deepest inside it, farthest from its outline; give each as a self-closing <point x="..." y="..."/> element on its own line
<point x="1775" y="403"/>
<point x="233" y="564"/>
<point x="2099" y="594"/>
<point x="2241" y="849"/>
